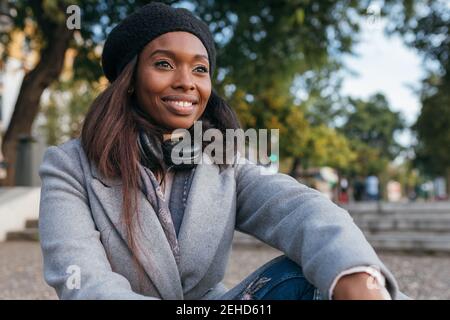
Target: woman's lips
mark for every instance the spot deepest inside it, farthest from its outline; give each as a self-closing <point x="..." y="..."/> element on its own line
<point x="179" y="109"/>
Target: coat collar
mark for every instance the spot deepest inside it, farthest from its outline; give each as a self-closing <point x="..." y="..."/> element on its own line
<point x="108" y="182"/>
<point x="201" y="230"/>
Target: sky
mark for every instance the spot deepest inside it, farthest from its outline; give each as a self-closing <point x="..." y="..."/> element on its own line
<point x="384" y="64"/>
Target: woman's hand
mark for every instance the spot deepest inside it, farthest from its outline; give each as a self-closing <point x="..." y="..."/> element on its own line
<point x="358" y="286"/>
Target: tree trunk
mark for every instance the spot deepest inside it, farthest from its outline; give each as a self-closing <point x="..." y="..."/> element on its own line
<point x="294" y="168"/>
<point x="34" y="83"/>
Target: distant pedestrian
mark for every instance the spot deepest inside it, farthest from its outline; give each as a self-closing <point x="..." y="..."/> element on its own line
<point x="358" y="189"/>
<point x="372" y="188"/>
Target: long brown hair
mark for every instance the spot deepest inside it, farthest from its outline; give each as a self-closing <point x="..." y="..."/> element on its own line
<point x="110" y="132"/>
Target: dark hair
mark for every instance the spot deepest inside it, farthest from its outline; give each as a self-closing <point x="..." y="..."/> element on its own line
<point x="110" y="132"/>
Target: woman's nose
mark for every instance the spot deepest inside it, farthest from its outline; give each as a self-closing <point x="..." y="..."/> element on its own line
<point x="184" y="79"/>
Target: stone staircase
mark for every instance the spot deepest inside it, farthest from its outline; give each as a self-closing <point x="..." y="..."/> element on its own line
<point x="422" y="227"/>
<point x="399" y="227"/>
<point x="30" y="233"/>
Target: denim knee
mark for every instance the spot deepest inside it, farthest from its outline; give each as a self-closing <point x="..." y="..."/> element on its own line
<point x="283" y="279"/>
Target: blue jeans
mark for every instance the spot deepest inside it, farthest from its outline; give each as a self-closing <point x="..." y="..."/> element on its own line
<point x="279" y="279"/>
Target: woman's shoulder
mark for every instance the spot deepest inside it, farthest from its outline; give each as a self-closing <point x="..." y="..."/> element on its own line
<point x="64" y="166"/>
<point x="71" y="146"/>
<point x="67" y="155"/>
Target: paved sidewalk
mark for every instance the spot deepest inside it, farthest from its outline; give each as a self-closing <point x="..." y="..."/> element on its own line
<point x="421" y="277"/>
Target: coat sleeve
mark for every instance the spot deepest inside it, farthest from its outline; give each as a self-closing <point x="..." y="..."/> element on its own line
<point x="305" y="225"/>
<point x="75" y="262"/>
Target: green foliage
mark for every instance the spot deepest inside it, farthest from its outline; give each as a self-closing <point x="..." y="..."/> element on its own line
<point x="375" y="124"/>
<point x="367" y="160"/>
<point x="433" y="133"/>
<point x="327" y="147"/>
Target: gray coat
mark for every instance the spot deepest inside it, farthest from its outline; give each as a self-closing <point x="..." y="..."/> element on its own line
<point x="81" y="234"/>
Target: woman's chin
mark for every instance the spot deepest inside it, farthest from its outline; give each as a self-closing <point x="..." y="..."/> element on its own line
<point x="181" y="124"/>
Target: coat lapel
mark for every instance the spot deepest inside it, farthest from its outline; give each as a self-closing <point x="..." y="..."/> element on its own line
<point x="206" y="217"/>
<point x="155" y="255"/>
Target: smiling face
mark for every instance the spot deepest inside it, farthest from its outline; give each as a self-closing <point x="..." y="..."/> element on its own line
<point x="173" y="84"/>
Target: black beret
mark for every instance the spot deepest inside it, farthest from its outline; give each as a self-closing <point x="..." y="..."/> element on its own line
<point x="133" y="33"/>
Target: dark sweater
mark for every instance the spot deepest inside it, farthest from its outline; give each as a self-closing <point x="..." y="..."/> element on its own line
<point x="179" y="192"/>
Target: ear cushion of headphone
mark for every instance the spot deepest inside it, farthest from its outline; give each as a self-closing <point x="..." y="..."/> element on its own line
<point x="153" y="152"/>
<point x="150" y="155"/>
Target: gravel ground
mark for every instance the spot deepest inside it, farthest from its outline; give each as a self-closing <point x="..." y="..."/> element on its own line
<point x="21" y="272"/>
<point x="420" y="277"/>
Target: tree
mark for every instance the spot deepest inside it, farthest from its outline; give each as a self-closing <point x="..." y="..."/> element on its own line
<point x="367" y="161"/>
<point x="320" y="102"/>
<point x="433" y="133"/>
<point x="327" y="147"/>
<point x="54" y="38"/>
<point x="425" y="26"/>
<point x="373" y="122"/>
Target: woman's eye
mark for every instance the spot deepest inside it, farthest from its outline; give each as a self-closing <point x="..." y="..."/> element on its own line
<point x="163" y="64"/>
<point x="203" y="69"/>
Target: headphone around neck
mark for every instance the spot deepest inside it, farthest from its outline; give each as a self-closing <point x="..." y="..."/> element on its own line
<point x="153" y="152"/>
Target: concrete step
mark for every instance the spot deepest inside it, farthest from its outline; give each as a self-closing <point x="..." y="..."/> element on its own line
<point x="402" y="215"/>
<point x="392" y="208"/>
<point x="404" y="222"/>
<point x="31" y="234"/>
<point x="415" y="242"/>
<point x="410" y="241"/>
<point x="32" y="223"/>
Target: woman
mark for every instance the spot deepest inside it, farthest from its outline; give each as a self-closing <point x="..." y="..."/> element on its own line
<point x="120" y="220"/>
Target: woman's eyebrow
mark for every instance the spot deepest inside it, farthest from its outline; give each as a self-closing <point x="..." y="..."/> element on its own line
<point x="172" y="54"/>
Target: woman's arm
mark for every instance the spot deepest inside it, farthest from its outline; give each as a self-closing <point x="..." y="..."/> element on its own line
<point x="69" y="239"/>
<point x="304" y="224"/>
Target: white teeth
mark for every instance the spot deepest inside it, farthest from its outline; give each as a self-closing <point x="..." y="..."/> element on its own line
<point x="182" y="103"/>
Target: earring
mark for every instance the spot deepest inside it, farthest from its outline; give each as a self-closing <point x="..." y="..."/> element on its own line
<point x="130" y="90"/>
